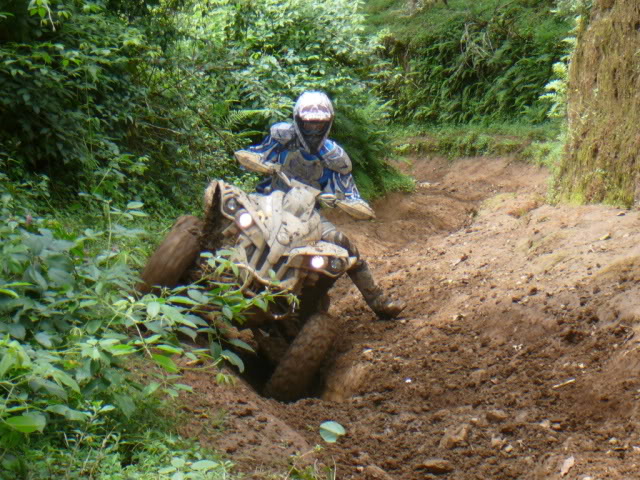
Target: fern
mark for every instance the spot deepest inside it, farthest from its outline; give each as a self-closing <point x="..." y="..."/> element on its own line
<point x="469" y="62"/>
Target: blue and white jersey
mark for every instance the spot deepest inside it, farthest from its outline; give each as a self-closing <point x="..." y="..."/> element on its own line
<point x="329" y="170"/>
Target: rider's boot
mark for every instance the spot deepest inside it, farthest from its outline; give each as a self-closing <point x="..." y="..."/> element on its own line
<point x="383" y="306"/>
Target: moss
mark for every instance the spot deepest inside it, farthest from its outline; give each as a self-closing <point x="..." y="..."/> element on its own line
<point x="601" y="164"/>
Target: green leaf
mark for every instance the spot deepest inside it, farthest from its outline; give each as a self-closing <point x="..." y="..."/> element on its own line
<point x="233" y="359"/>
<point x="134" y="205"/>
<point x="44" y="339"/>
<point x="189" y="332"/>
<point x="153" y="308"/>
<point x="169" y="349"/>
<point x="37" y="277"/>
<point x="27" y="423"/>
<point x="17" y="284"/>
<point x="152" y="339"/>
<point x="93" y="326"/>
<point x="60" y="277"/>
<point x="182" y="386"/>
<point x="261" y="303"/>
<point x="227" y="312"/>
<point x="10" y="293"/>
<point x="68" y="413"/>
<point x="93" y="71"/>
<point x="196" y="320"/>
<point x="125" y="403"/>
<point x="198" y="296"/>
<point x="38" y="383"/>
<point x="204" y="465"/>
<point x="87" y="303"/>
<point x="117" y="350"/>
<point x="215" y="349"/>
<point x="176" y="316"/>
<point x="65" y="379"/>
<point x="330" y="431"/>
<point x="16" y="330"/>
<point x="8" y="360"/>
<point x="240" y="344"/>
<point x="183" y="300"/>
<point x="165" y="362"/>
<point x="150" y="389"/>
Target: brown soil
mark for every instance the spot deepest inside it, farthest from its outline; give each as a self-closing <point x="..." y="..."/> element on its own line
<point x="517" y="357"/>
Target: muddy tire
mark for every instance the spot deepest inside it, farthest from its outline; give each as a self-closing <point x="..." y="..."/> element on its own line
<point x="294" y="374"/>
<point x="174" y="256"/>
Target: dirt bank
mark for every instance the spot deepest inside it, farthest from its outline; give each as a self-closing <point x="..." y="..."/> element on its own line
<point x="517" y="357"/>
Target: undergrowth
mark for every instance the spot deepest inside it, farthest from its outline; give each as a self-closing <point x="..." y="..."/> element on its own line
<point x="104" y="448"/>
<point x="72" y="329"/>
<point x="532" y="143"/>
<point x="467" y="61"/>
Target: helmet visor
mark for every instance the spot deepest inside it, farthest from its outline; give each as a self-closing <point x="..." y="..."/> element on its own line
<point x="313" y="127"/>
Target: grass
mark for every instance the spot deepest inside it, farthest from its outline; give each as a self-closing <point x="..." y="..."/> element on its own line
<point x="532" y="143"/>
<point x="411" y="25"/>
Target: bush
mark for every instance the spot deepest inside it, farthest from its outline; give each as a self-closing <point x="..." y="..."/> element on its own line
<point x="70" y="319"/>
<point x="471" y="62"/>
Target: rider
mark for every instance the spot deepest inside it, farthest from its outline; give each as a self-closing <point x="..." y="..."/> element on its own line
<point x="304" y="152"/>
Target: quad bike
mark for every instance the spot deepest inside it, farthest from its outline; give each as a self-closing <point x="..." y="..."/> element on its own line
<point x="276" y="240"/>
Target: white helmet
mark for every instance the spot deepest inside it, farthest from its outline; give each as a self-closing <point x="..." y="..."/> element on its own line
<point x="312" y="119"/>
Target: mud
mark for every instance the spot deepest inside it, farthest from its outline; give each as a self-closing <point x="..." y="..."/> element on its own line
<point x="517" y="358"/>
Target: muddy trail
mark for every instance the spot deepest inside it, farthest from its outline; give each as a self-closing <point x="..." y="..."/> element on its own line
<point x="517" y="357"/>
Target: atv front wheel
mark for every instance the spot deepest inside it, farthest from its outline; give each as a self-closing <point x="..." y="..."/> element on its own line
<point x="294" y="374"/>
<point x="174" y="256"/>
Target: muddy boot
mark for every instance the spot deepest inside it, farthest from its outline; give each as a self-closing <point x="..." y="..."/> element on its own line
<point x="383" y="306"/>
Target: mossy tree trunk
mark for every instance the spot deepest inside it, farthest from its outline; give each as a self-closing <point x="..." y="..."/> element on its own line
<point x="602" y="161"/>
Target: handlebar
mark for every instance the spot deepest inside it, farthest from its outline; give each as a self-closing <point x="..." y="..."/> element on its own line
<point x="253" y="161"/>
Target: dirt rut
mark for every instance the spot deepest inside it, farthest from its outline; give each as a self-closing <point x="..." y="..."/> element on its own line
<point x="517" y="358"/>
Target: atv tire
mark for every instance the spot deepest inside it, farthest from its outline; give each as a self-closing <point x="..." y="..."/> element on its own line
<point x="174" y="256"/>
<point x="294" y="374"/>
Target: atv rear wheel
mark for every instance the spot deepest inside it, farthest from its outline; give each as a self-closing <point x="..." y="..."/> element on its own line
<point x="294" y="374"/>
<point x="174" y="256"/>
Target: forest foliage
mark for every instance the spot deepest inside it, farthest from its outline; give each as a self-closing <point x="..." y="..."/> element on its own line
<point x="147" y="100"/>
<point x="462" y="61"/>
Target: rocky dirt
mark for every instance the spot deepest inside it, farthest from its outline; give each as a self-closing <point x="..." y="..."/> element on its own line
<point x="517" y="357"/>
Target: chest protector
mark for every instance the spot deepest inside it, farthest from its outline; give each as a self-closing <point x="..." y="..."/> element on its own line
<point x="306" y="170"/>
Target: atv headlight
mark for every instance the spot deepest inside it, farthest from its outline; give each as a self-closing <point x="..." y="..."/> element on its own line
<point x="336" y="264"/>
<point x="318" y="262"/>
<point x="245" y="220"/>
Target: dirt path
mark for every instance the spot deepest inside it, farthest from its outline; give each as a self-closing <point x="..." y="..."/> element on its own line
<point x="517" y="357"/>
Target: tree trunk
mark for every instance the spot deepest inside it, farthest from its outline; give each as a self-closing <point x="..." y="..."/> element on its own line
<point x="602" y="161"/>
